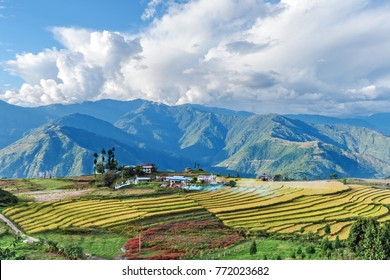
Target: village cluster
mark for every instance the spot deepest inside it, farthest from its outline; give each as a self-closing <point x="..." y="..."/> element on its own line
<point x="174" y="181"/>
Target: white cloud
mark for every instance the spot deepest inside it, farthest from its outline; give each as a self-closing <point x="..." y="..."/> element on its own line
<point x="34" y="67"/>
<point x="304" y="56"/>
<point x="364" y="93"/>
<point x="150" y="11"/>
<point x="79" y="72"/>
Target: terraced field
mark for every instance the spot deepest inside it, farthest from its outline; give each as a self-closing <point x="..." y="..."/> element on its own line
<point x="295" y="207"/>
<point x="273" y="207"/>
<point x="39" y="217"/>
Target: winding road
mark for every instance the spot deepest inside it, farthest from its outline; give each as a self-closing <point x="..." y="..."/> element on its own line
<point x="26" y="238"/>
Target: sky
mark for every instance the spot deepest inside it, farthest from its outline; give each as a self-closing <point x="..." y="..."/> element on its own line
<point x="326" y="57"/>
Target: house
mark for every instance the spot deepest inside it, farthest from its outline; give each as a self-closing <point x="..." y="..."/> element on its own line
<point x="208" y="179"/>
<point x="178" y="179"/>
<point x="148" y="168"/>
<point x="265" y="177"/>
<point x="142" y="179"/>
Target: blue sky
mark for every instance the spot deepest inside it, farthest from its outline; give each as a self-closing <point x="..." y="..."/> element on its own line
<point x="291" y="56"/>
<point x="25" y="24"/>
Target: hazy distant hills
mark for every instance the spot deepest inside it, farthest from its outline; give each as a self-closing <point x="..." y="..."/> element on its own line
<point x="63" y="138"/>
<point x="15" y="121"/>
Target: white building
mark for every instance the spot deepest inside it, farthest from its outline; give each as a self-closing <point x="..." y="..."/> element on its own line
<point x="142" y="179"/>
<point x="147" y="168"/>
<point x="209" y="179"/>
<point x="178" y="179"/>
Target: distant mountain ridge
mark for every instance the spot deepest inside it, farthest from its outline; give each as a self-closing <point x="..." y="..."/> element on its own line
<point x="63" y="138"/>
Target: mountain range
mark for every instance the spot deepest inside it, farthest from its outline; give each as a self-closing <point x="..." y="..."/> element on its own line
<point x="63" y="138"/>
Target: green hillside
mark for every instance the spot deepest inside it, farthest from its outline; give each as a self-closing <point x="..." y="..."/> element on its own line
<point x="175" y="137"/>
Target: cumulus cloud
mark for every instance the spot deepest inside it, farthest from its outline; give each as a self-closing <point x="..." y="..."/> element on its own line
<point x="83" y="70"/>
<point x="286" y="56"/>
<point x="34" y="67"/>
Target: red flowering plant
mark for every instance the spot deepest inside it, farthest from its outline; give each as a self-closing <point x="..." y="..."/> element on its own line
<point x="175" y="240"/>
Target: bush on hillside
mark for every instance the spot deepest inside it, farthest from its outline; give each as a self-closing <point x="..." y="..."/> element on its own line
<point x="7" y="198"/>
<point x="109" y="178"/>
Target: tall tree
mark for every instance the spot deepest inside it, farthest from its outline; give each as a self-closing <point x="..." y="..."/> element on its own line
<point x="103" y="155"/>
<point x="253" y="248"/>
<point x="95" y="160"/>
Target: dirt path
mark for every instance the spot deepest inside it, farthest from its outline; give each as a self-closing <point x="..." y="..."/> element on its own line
<point x="53" y="195"/>
<point x="26" y="238"/>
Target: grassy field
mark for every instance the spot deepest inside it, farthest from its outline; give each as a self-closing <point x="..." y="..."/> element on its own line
<point x="266" y="249"/>
<point x="104" y="245"/>
<point x="33" y="251"/>
<point x="275" y="249"/>
<point x="25" y="185"/>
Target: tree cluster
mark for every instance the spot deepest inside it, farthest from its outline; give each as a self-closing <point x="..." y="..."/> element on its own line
<point x="106" y="161"/>
<point x="72" y="252"/>
<point x="10" y="253"/>
<point x="7" y="198"/>
<point x="370" y="240"/>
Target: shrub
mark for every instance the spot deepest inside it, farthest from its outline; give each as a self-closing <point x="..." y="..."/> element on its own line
<point x="8" y="254"/>
<point x="109" y="178"/>
<point x="310" y="250"/>
<point x="73" y="252"/>
<point x="7" y="198"/>
<point x="253" y="248"/>
<point x="53" y="246"/>
<point x="327" y="229"/>
<point x="232" y="183"/>
<point x="326" y="244"/>
<point x="293" y="256"/>
<point x="337" y="243"/>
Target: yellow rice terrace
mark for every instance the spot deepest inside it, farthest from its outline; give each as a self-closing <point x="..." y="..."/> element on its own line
<point x="283" y="207"/>
<point x="39" y="217"/>
<point x="296" y="206"/>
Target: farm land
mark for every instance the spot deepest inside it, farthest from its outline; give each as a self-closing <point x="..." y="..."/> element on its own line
<point x="286" y="220"/>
